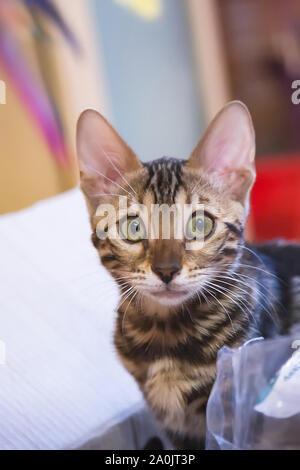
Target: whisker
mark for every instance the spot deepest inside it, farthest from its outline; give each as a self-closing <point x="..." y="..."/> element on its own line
<point x="253" y="253"/>
<point x="183" y="307"/>
<point x="257" y="268"/>
<point x="117" y="169"/>
<point x="266" y="305"/>
<point x="205" y="298"/>
<point x="225" y="310"/>
<point x="127" y="294"/>
<point x="216" y="288"/>
<point x="123" y="319"/>
<point x="256" y="290"/>
<point x="111" y="181"/>
<point x="123" y="298"/>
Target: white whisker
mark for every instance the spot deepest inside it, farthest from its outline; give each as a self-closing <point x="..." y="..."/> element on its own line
<point x="111" y="181"/>
<point x="225" y="310"/>
<point x="134" y="292"/>
<point x="117" y="170"/>
<point x="217" y="289"/>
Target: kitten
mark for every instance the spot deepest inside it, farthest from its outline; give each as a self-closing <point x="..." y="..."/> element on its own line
<point x="179" y="306"/>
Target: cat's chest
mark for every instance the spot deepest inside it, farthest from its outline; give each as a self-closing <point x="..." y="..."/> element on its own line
<point x="162" y="383"/>
<point x="173" y="388"/>
<point x="168" y="385"/>
<point x="168" y="389"/>
<point x="165" y="387"/>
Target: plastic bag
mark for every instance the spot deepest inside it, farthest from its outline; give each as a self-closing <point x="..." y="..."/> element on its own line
<point x="255" y="401"/>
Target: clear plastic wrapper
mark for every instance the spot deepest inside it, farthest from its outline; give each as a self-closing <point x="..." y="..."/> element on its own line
<point x="255" y="401"/>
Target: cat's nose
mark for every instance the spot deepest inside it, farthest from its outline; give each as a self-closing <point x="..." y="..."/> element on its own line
<point x="166" y="272"/>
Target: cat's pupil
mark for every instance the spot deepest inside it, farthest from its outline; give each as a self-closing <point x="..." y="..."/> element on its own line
<point x="199" y="224"/>
<point x="135" y="226"/>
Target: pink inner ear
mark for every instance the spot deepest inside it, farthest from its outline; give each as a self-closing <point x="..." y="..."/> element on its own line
<point x="100" y="147"/>
<point x="229" y="141"/>
<point x="218" y="158"/>
<point x="230" y="159"/>
<point x="103" y="155"/>
<point x="113" y="173"/>
<point x="104" y="175"/>
<point x="228" y="149"/>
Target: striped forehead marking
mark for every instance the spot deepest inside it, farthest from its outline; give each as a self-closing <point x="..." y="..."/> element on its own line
<point x="165" y="178"/>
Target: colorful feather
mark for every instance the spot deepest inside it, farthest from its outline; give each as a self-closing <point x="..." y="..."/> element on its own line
<point x="51" y="12"/>
<point x="32" y="92"/>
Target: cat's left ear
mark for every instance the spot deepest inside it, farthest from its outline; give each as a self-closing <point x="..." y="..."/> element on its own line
<point x="104" y="158"/>
<point x="227" y="150"/>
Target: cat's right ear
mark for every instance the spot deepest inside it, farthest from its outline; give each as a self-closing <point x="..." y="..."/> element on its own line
<point x="104" y="158"/>
<point x="227" y="151"/>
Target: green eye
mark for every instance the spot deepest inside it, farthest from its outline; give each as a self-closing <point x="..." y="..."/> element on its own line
<point x="133" y="229"/>
<point x="199" y="226"/>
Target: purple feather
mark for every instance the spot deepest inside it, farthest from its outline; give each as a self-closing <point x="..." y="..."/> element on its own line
<point x="50" y="10"/>
<point x="32" y="94"/>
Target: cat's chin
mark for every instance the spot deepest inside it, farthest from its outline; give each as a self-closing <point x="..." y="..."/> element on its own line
<point x="169" y="297"/>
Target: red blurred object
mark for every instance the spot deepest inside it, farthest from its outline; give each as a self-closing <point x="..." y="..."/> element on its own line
<point x="275" y="210"/>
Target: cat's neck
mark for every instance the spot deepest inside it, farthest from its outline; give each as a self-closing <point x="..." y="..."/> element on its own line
<point x="151" y="306"/>
<point x="148" y="307"/>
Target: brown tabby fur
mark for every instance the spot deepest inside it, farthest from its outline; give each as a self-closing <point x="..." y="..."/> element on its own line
<point x="171" y="350"/>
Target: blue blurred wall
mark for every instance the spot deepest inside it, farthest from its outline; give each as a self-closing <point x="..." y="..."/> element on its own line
<point x="151" y="82"/>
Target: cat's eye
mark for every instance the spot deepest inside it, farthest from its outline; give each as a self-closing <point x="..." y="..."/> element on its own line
<point x="199" y="226"/>
<point x="132" y="229"/>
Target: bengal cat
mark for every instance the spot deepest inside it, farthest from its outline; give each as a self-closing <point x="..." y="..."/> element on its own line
<point x="178" y="305"/>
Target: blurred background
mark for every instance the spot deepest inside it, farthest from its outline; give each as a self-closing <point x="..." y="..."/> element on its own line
<point x="159" y="70"/>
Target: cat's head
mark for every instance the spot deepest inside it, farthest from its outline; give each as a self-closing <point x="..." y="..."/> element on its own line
<point x="218" y="175"/>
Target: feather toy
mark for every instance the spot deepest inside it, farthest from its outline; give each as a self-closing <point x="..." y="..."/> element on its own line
<point x="31" y="90"/>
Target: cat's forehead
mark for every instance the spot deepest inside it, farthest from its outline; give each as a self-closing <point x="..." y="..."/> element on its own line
<point x="169" y="180"/>
<point x="165" y="179"/>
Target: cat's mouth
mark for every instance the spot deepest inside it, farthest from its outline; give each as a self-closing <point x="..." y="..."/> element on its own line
<point x="168" y="294"/>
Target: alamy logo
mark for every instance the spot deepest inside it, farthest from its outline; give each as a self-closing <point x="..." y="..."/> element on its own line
<point x="189" y="222"/>
<point x="2" y="92"/>
<point x="296" y="344"/>
<point x="296" y="95"/>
